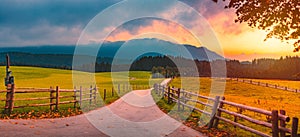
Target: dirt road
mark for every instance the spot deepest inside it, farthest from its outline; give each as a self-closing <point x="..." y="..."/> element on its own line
<point x="133" y="115"/>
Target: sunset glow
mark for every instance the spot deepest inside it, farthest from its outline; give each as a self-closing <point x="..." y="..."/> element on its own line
<point x="238" y="41"/>
<point x="162" y="28"/>
<point x="20" y="26"/>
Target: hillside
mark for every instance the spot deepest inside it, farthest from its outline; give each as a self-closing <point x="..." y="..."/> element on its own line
<point x="109" y="49"/>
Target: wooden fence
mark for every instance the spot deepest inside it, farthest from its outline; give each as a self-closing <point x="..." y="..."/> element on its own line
<point x="276" y="86"/>
<point x="75" y="96"/>
<point x="277" y="121"/>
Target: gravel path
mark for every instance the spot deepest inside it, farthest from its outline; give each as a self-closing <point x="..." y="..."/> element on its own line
<point x="133" y="115"/>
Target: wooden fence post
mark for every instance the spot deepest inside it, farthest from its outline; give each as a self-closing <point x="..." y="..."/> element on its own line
<point x="57" y="99"/>
<point x="91" y="94"/>
<point x="75" y="101"/>
<point x="95" y="94"/>
<point x="178" y="99"/>
<point x="12" y="96"/>
<point x="119" y="88"/>
<point x="218" y="114"/>
<point x="169" y="99"/>
<point x="295" y="127"/>
<point x="183" y="98"/>
<point x="213" y="112"/>
<point x="80" y="96"/>
<point x="51" y="98"/>
<point x="123" y="87"/>
<point x="163" y="91"/>
<point x="172" y="90"/>
<point x="104" y="94"/>
<point x="9" y="104"/>
<point x="275" y="129"/>
<point x="282" y="123"/>
<point x="161" y="88"/>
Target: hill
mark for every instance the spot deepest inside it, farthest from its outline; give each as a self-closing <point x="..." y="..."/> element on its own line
<point x="109" y="49"/>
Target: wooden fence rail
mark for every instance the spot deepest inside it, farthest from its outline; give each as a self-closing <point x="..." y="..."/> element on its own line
<point x="277" y="123"/>
<point x="276" y="86"/>
<point x="54" y="97"/>
<point x="77" y="96"/>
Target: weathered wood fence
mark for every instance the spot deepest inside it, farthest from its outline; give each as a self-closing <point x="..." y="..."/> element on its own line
<point x="276" y="86"/>
<point x="76" y="96"/>
<point x="121" y="88"/>
<point x="183" y="98"/>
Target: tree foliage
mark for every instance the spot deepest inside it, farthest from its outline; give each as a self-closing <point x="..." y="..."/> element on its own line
<point x="280" y="18"/>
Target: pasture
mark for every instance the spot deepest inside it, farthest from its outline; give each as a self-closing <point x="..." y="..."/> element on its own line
<point x="288" y="83"/>
<point x="34" y="77"/>
<point x="250" y="95"/>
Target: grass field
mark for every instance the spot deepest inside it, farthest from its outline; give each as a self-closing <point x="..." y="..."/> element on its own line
<point x="243" y="93"/>
<point x="251" y="95"/>
<point x="34" y="77"/>
<point x="288" y="83"/>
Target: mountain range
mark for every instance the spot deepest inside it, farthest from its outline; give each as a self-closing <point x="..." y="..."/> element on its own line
<point x="62" y="55"/>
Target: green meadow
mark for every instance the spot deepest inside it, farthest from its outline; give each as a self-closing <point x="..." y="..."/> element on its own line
<point x="238" y="92"/>
<point x="34" y="77"/>
<point x="248" y="94"/>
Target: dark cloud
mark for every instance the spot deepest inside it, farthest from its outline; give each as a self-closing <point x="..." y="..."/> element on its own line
<point x="54" y="12"/>
<point x="207" y="8"/>
<point x="47" y="21"/>
<point x="51" y="21"/>
<point x="134" y="25"/>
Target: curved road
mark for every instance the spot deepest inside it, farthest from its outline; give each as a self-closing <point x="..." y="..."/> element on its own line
<point x="133" y="115"/>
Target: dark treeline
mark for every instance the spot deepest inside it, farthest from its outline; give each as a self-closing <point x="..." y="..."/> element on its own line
<point x="283" y="68"/>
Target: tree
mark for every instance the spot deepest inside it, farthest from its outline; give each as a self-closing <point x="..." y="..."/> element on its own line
<point x="280" y="18"/>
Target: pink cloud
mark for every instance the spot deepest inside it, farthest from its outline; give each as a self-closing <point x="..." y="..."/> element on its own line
<point x="173" y="30"/>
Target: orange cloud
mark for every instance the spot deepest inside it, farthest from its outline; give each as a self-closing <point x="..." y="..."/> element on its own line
<point x="170" y="29"/>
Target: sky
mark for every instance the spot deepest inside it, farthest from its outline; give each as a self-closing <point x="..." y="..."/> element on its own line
<point x="55" y="22"/>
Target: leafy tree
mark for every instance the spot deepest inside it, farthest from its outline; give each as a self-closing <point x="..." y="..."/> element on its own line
<point x="280" y="18"/>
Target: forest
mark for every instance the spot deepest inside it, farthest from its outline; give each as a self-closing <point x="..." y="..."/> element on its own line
<point x="284" y="68"/>
<point x="266" y="68"/>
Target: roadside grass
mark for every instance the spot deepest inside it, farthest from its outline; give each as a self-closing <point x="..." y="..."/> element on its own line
<point x="247" y="94"/>
<point x="187" y="117"/>
<point x="34" y="77"/>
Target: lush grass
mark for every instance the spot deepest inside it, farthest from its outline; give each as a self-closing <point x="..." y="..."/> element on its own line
<point x="251" y="95"/>
<point x="189" y="118"/>
<point x="288" y="83"/>
<point x="46" y="77"/>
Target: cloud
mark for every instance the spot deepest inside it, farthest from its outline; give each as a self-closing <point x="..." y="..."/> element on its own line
<point x="224" y="24"/>
<point x="35" y="22"/>
<point x="154" y="26"/>
<point x="39" y="35"/>
<point x="66" y="13"/>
